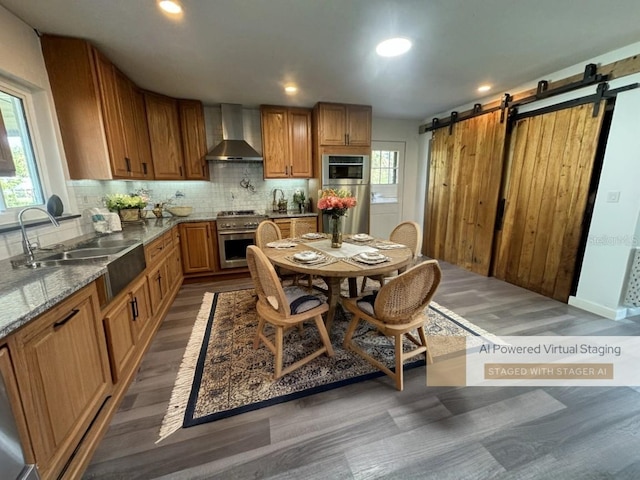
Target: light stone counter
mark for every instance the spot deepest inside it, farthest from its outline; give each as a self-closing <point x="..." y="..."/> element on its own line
<point x="26" y="293"/>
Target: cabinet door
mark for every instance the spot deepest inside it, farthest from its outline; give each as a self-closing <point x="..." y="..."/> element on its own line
<point x="141" y="308"/>
<point x="158" y="286"/>
<point x="300" y="143"/>
<point x="194" y="141"/>
<point x="197" y="251"/>
<point x="275" y="141"/>
<point x="332" y="119"/>
<point x="142" y="133"/>
<point x="174" y="268"/>
<point x="164" y="136"/>
<point x="359" y="125"/>
<point x="127" y="100"/>
<point x="118" y="326"/>
<point x="112" y="116"/>
<point x="62" y="370"/>
<point x="285" y="226"/>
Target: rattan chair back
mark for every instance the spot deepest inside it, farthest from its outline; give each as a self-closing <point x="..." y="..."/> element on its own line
<point x="408" y="233"/>
<point x="299" y="226"/>
<point x="266" y="232"/>
<point x="266" y="282"/>
<point x="406" y="296"/>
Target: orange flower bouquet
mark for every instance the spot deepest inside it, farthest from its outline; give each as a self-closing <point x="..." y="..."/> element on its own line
<point x="336" y="203"/>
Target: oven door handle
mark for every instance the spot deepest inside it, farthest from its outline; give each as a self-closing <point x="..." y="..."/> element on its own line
<point x="235" y="232"/>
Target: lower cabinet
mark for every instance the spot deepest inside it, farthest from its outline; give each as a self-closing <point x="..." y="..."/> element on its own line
<point x="198" y="255"/>
<point x="125" y="324"/>
<point x="62" y="371"/>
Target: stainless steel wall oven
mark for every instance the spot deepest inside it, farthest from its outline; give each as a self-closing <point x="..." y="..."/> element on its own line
<point x="236" y="231"/>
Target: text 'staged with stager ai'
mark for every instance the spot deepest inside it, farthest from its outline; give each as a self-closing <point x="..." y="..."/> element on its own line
<point x="543" y="361"/>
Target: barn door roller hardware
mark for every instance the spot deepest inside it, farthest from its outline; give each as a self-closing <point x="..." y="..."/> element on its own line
<point x="589" y="77"/>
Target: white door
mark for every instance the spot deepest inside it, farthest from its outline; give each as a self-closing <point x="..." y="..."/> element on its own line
<point x="387" y="168"/>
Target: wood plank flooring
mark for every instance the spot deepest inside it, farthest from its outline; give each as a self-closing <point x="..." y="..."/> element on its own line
<point x="369" y="430"/>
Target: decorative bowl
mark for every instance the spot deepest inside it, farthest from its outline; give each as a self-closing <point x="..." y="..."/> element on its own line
<point x="179" y="211"/>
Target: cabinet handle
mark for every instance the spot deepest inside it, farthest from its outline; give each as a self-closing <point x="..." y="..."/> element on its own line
<point x="60" y="323"/>
<point x="180" y="169"/>
<point x="291" y="171"/>
<point x="128" y="162"/>
<point x="144" y="168"/>
<point x="134" y="308"/>
<point x="204" y="173"/>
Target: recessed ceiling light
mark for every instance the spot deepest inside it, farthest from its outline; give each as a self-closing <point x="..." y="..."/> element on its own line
<point x="393" y="47"/>
<point x="170" y="6"/>
<point x="484" y="88"/>
<point x="290" y="89"/>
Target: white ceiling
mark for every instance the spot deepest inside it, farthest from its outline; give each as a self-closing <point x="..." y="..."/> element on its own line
<point x="244" y="51"/>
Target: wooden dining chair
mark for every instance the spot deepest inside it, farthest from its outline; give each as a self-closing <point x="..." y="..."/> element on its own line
<point x="266" y="232"/>
<point x="300" y="226"/>
<point x="396" y="310"/>
<point x="406" y="233"/>
<point x="284" y="308"/>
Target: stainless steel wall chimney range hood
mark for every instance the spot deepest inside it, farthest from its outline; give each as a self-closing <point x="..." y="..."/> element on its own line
<point x="233" y="146"/>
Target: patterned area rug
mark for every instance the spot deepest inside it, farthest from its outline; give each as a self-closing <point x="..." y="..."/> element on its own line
<point x="222" y="375"/>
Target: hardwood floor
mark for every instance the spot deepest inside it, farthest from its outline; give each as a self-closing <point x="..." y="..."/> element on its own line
<point x="370" y="430"/>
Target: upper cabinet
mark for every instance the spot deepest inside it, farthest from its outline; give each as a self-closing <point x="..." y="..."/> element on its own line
<point x="194" y="140"/>
<point x="7" y="168"/>
<point x="110" y="128"/>
<point x="165" y="137"/>
<point x="341" y="124"/>
<point x="86" y="89"/>
<point x="286" y="142"/>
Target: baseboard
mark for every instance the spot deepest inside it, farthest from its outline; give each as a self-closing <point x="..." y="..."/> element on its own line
<point x="612" y="313"/>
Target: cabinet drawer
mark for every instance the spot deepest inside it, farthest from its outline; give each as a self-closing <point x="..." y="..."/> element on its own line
<point x="153" y="251"/>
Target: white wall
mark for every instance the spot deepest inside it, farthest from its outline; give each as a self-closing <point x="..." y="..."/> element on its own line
<point x="414" y="181"/>
<point x="22" y="65"/>
<point x="614" y="227"/>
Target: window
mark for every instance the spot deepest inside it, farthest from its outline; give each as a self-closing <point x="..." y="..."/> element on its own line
<point x="384" y="167"/>
<point x="24" y="189"/>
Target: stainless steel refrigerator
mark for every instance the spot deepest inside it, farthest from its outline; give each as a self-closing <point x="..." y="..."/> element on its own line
<point x="349" y="172"/>
<point x="357" y="218"/>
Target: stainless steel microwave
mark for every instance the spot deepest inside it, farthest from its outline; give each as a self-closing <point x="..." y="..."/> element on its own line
<point x="341" y="169"/>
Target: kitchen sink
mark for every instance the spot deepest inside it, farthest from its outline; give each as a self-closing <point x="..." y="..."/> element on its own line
<point x="124" y="260"/>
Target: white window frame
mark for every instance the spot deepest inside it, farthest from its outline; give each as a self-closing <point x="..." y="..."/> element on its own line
<point x="29" y="105"/>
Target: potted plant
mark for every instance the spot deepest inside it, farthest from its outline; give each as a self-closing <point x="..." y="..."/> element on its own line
<point x="299" y="198"/>
<point x="127" y="206"/>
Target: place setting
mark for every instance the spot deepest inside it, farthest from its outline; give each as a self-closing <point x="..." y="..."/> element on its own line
<point x="312" y="236"/>
<point x="368" y="258"/>
<point x="310" y="258"/>
<point x="282" y="244"/>
<point x="360" y="238"/>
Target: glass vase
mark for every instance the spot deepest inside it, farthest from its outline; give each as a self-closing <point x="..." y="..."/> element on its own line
<point x="335" y="227"/>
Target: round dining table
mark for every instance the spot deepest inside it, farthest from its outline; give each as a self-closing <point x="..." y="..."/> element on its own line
<point x="340" y="263"/>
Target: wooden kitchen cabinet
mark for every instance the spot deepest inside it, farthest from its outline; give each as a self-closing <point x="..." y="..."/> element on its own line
<point x="194" y="140"/>
<point x="95" y="121"/>
<point x="164" y="270"/>
<point x="164" y="136"/>
<point x="126" y="323"/>
<point x="286" y="142"/>
<point x="343" y="124"/>
<point x="134" y="128"/>
<point x="198" y="255"/>
<point x="62" y="371"/>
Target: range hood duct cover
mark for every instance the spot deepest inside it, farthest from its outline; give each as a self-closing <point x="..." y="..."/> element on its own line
<point x="233" y="147"/>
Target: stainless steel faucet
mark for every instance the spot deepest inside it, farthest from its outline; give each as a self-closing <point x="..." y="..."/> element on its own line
<point x="26" y="245"/>
<point x="274" y="204"/>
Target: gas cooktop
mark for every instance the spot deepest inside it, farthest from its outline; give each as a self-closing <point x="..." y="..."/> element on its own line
<point x="235" y="213"/>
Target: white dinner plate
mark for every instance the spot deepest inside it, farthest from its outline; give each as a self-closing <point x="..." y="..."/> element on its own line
<point x="312" y="236"/>
<point x="361" y="237"/>
<point x="371" y="261"/>
<point x="306" y="256"/>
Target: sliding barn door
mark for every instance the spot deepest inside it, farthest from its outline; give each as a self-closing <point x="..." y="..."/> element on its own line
<point x="464" y="184"/>
<point x="551" y="161"/>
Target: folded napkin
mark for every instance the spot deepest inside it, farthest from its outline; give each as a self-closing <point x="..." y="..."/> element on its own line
<point x="282" y="244"/>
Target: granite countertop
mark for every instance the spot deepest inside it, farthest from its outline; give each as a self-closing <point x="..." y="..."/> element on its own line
<point x="26" y="293"/>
